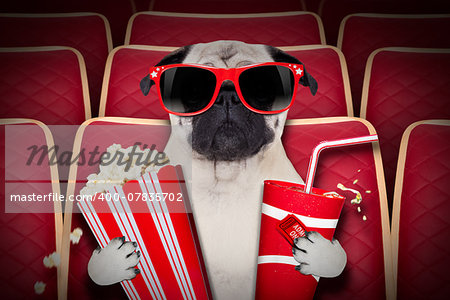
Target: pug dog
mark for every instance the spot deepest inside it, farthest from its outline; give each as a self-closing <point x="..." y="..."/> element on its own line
<point x="227" y="152"/>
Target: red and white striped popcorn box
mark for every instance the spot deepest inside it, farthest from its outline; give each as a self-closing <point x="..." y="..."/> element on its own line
<point x="155" y="212"/>
<point x="276" y="274"/>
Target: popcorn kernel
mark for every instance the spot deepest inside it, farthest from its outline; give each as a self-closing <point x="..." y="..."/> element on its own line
<point x="39" y="287"/>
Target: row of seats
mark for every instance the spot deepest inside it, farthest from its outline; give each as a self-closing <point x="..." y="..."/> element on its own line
<point x="412" y="252"/>
<point x="401" y="86"/>
<point x="331" y="11"/>
<point x="359" y="35"/>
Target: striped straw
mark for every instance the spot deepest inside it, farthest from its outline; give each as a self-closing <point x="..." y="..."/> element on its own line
<point x="330" y="144"/>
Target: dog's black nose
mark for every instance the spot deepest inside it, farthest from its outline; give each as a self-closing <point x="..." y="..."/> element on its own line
<point x="227" y="95"/>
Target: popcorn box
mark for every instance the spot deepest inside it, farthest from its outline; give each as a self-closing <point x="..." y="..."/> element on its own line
<point x="318" y="211"/>
<point x="155" y="212"/>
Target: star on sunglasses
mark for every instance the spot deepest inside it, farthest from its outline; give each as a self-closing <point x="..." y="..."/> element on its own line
<point x="191" y="89"/>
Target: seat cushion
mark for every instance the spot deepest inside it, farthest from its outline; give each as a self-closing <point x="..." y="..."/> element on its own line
<point x="64" y="30"/>
<point x="363" y="33"/>
<point x="43" y="84"/>
<point x="27" y="229"/>
<point x="424" y="214"/>
<point x="354" y="167"/>
<point x="405" y="86"/>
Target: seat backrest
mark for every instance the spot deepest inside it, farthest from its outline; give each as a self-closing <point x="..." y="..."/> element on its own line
<point x="421" y="221"/>
<point x="177" y="29"/>
<point x="361" y="34"/>
<point x="402" y="86"/>
<point x="48" y="84"/>
<point x="368" y="274"/>
<point x="226" y="6"/>
<point x="121" y="94"/>
<point x="30" y="229"/>
<point x="89" y="33"/>
<point x="367" y="242"/>
<point x="327" y="65"/>
<point x="126" y="66"/>
<point x="96" y="135"/>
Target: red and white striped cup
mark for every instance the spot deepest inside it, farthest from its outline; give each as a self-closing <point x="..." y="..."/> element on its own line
<point x="276" y="275"/>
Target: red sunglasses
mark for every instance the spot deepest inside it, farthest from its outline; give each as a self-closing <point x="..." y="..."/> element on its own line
<point x="191" y="89"/>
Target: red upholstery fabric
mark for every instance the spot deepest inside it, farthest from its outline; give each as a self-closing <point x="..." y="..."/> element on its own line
<point x="363" y="34"/>
<point x="226" y="6"/>
<point x="177" y="31"/>
<point x="85" y="32"/>
<point x="324" y="65"/>
<point x="405" y="87"/>
<point x="124" y="97"/>
<point x="103" y="134"/>
<point x="117" y="12"/>
<point x="424" y="230"/>
<point x="364" y="275"/>
<point x="26" y="237"/>
<point x="42" y="85"/>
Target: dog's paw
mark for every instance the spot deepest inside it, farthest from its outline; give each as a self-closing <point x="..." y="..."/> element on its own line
<point x="114" y="263"/>
<point x="319" y="256"/>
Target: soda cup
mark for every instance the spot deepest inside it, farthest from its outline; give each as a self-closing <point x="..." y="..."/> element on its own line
<point x="289" y="210"/>
<point x="318" y="211"/>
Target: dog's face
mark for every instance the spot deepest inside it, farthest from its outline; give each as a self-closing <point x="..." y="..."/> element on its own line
<point x="228" y="131"/>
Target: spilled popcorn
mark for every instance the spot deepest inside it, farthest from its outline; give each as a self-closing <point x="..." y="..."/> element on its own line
<point x="75" y="235"/>
<point x="364" y="218"/>
<point x="120" y="169"/>
<point x="39" y="287"/>
<point x="357" y="199"/>
<point x="53" y="260"/>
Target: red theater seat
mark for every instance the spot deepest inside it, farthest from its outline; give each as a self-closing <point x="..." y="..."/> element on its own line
<point x="360" y="34"/>
<point x="89" y="33"/>
<point x="126" y="66"/>
<point x="368" y="274"/>
<point x="101" y="133"/>
<point x="421" y="216"/>
<point x="226" y="6"/>
<point x="332" y="12"/>
<point x="48" y="84"/>
<point x="327" y="65"/>
<point x="402" y="86"/>
<point x="121" y="95"/>
<point x="29" y="230"/>
<point x="176" y="29"/>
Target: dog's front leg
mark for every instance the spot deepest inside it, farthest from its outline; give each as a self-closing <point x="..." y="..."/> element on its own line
<point x="319" y="256"/>
<point x="114" y="263"/>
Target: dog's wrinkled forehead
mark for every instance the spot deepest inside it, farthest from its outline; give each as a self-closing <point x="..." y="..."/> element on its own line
<point x="227" y="54"/>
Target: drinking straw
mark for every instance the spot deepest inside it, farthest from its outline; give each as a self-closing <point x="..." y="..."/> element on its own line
<point x="331" y="144"/>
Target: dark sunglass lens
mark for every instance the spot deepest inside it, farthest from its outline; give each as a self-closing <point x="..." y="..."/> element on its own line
<point x="267" y="88"/>
<point x="187" y="89"/>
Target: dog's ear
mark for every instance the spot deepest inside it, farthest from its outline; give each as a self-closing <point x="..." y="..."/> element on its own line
<point x="281" y="56"/>
<point x="145" y="84"/>
<point x="175" y="57"/>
